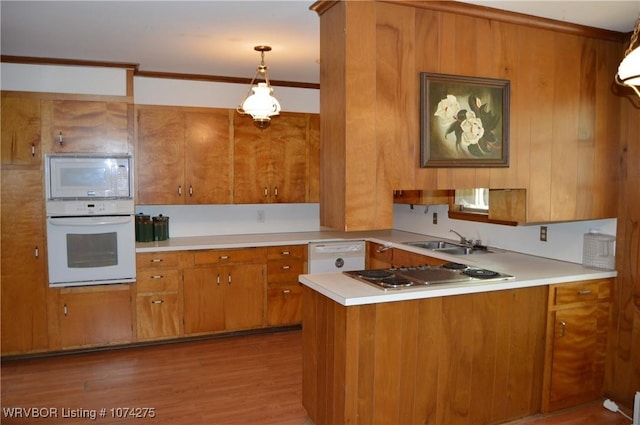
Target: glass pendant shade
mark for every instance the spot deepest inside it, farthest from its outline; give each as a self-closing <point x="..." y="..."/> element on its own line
<point x="629" y="69"/>
<point x="261" y="105"/>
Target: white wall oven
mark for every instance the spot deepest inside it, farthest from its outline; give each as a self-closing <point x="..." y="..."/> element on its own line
<point x="90" y="219"/>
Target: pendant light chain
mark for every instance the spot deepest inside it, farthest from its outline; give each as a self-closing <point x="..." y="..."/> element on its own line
<point x="634" y="38"/>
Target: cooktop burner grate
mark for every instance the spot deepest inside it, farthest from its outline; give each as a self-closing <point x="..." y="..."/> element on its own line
<point x="480" y="273"/>
<point x="375" y="274"/>
<point x="396" y="282"/>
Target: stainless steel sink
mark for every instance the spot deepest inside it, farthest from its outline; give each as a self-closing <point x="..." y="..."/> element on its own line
<point x="449" y="247"/>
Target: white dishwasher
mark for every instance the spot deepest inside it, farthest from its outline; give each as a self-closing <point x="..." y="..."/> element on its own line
<point x="336" y="256"/>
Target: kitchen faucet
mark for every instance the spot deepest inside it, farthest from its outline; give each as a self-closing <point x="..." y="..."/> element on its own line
<point x="463" y="240"/>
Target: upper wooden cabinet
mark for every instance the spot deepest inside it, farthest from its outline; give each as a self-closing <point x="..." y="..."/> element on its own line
<point x="565" y="134"/>
<point x="21" y="126"/>
<point x="182" y="156"/>
<point x="86" y="126"/>
<point x="272" y="165"/>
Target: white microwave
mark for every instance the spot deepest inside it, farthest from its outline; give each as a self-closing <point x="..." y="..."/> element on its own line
<point x="88" y="176"/>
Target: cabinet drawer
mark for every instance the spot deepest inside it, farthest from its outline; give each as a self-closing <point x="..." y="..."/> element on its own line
<point x="284" y="304"/>
<point x="580" y="292"/>
<point x="229" y="256"/>
<point x="158" y="280"/>
<point x="287" y="251"/>
<point x="284" y="271"/>
<point x="380" y="252"/>
<point x="153" y="260"/>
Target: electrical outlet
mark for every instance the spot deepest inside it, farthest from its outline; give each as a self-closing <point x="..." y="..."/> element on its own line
<point x="260" y="216"/>
<point x="543" y="233"/>
<point x="435" y="218"/>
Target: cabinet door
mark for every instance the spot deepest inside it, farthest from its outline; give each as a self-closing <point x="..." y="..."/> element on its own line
<point x="20" y="130"/>
<point x="204" y="299"/>
<point x="82" y="126"/>
<point x="160" y="156"/>
<point x="284" y="304"/>
<point x="24" y="314"/>
<point x="251" y="162"/>
<point x="157" y="316"/>
<point x="244" y="297"/>
<point x="95" y="316"/>
<point x="288" y="142"/>
<point x="579" y="348"/>
<point x="208" y="157"/>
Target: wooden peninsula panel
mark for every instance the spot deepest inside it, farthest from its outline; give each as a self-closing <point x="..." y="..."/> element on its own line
<point x="462" y="359"/>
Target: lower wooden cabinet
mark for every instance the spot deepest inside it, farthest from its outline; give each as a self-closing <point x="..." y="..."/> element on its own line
<point x="94" y="316"/>
<point x="577" y="326"/>
<point x="284" y="292"/>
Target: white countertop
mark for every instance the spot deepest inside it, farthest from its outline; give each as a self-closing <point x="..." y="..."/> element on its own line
<point x="529" y="270"/>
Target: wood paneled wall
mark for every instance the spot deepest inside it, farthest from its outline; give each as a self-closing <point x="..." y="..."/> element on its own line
<point x="623" y="377"/>
<point x="564" y="129"/>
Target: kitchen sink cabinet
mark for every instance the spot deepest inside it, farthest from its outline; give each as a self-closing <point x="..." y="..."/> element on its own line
<point x="284" y="292"/>
<point x="21" y="129"/>
<point x="158" y="296"/>
<point x="273" y="165"/>
<point x="94" y="316"/>
<point x="577" y="326"/>
<point x="23" y="261"/>
<point x="182" y="156"/>
<point x="86" y="126"/>
<point x="224" y="290"/>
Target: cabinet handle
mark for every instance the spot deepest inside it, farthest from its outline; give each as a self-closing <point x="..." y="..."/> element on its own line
<point x="190" y="190"/>
<point x="223" y="257"/>
<point x="36" y="252"/>
<point x="60" y="138"/>
<point x="229" y="278"/>
<point x="584" y="292"/>
<point x="286" y="291"/>
<point x="179" y="190"/>
<point x="266" y="192"/>
<point x="156" y="260"/>
<point x="218" y="279"/>
<point x="66" y="309"/>
<point x="276" y="191"/>
<point x="157" y="276"/>
<point x="382" y="249"/>
<point x="286" y="267"/>
<point x="157" y="302"/>
<point x="285" y="253"/>
<point x="33" y="149"/>
<point x="563" y="325"/>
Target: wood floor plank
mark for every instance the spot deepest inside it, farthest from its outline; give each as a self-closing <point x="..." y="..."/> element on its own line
<point x="250" y="379"/>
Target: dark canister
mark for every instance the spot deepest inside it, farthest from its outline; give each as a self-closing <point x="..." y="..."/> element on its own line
<point x="160" y="228"/>
<point x="140" y="220"/>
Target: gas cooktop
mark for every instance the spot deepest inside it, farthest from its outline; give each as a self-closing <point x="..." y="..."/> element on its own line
<point x="420" y="276"/>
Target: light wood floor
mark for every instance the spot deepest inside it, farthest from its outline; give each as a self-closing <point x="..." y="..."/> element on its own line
<point x="251" y="379"/>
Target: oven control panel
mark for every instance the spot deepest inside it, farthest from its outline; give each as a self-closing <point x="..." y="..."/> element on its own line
<point x="89" y="207"/>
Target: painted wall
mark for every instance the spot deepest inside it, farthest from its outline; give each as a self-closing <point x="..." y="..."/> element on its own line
<point x="564" y="240"/>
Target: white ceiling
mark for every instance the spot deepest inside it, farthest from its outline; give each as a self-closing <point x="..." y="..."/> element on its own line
<point x="217" y="37"/>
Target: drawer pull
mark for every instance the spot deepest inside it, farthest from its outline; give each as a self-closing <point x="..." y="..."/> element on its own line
<point x="286" y="291"/>
<point x="285" y="253"/>
<point x="157" y="302"/>
<point x="383" y="249"/>
<point x="156" y="260"/>
<point x="585" y="292"/>
<point x="286" y="267"/>
<point x="563" y="325"/>
<point x="157" y="276"/>
<point x="223" y="257"/>
<point x="218" y="280"/>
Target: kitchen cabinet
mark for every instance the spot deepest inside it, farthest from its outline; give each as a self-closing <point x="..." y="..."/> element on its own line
<point x="578" y="322"/>
<point x="23" y="261"/>
<point x="158" y="296"/>
<point x="183" y="155"/>
<point x="224" y="290"/>
<point x="94" y="316"/>
<point x="272" y="165"/>
<point x="86" y="126"/>
<point x="378" y="256"/>
<point x="21" y="128"/>
<point x="284" y="292"/>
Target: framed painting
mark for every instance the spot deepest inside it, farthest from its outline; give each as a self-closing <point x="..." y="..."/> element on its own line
<point x="464" y="121"/>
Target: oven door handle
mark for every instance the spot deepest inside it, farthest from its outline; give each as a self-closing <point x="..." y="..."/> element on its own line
<point x="89" y="221"/>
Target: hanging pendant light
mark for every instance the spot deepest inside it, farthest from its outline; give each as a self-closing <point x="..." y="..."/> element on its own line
<point x="629" y="69"/>
<point x="261" y="105"/>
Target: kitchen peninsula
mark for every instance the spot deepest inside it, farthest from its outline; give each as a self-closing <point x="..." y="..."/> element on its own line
<point x="454" y="353"/>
